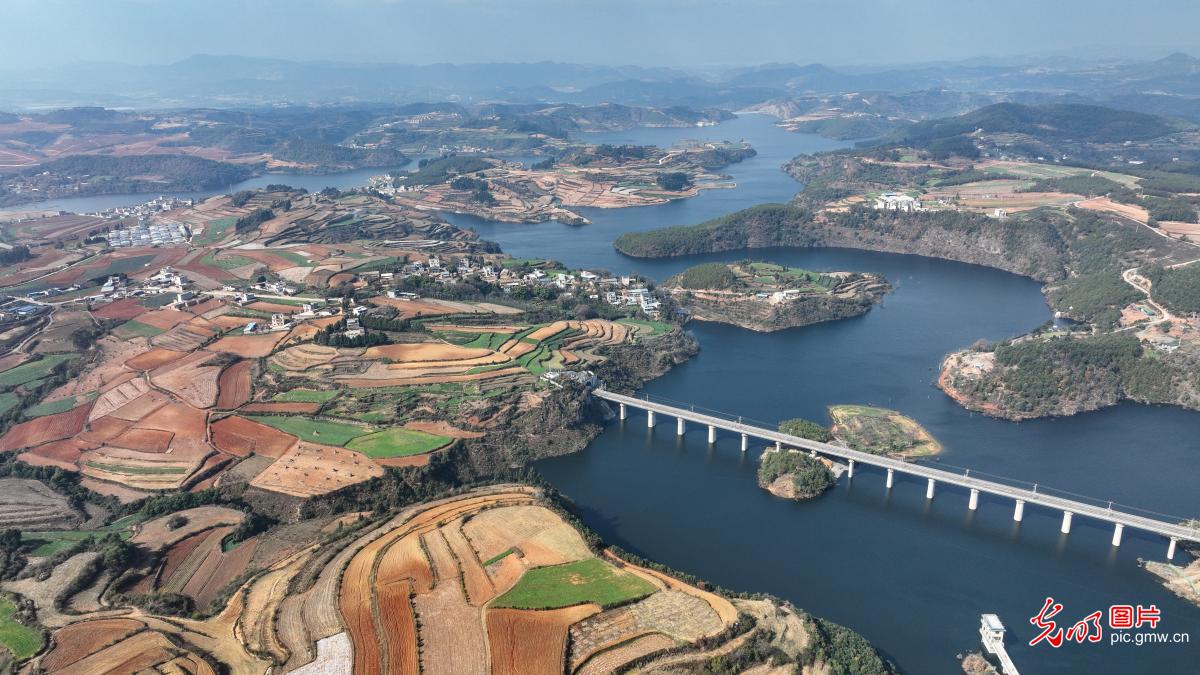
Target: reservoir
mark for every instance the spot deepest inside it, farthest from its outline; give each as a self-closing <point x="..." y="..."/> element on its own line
<point x="912" y="576"/>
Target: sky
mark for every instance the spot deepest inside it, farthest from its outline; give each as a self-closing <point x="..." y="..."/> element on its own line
<point x="677" y="33"/>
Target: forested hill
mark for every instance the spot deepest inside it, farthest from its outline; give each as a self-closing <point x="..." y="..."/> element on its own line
<point x="1076" y="122"/>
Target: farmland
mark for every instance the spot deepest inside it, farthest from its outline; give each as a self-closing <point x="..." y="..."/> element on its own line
<point x="397" y="442"/>
<point x="584" y="581"/>
<point x="20" y="640"/>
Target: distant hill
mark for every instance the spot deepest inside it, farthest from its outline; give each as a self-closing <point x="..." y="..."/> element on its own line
<point x="1075" y="122"/>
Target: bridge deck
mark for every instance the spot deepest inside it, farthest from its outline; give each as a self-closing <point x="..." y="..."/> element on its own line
<point x="1164" y="528"/>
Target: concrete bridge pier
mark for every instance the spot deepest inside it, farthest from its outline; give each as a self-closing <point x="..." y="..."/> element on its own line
<point x="650" y="419"/>
<point x="712" y="434"/>
<point x="623" y="412"/>
<point x="745" y="442"/>
<point x="850" y="470"/>
<point x="929" y="489"/>
<point x="974" y="503"/>
<point x="679" y="427"/>
<point x="1066" y="524"/>
<point x="891" y="478"/>
<point x="778" y="446"/>
<point x="1117" y="534"/>
<point x="1019" y="510"/>
<point x="1171" y="549"/>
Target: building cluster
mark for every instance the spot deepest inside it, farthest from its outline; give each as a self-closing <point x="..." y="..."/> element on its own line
<point x="145" y="209"/>
<point x="149" y="233"/>
<point x="13" y="310"/>
<point x="619" y="291"/>
<point x="894" y="201"/>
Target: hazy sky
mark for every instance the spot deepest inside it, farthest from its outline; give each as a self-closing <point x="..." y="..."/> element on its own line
<point x="643" y="32"/>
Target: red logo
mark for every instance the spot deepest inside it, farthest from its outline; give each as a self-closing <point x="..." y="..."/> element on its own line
<point x="1088" y="629"/>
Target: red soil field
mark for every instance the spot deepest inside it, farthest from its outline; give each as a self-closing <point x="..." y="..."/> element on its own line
<point x="63" y="454"/>
<point x="156" y="357"/>
<point x="400" y="625"/>
<point x="234" y="386"/>
<point x="400" y="462"/>
<point x="103" y="429"/>
<point x="247" y="346"/>
<point x="141" y="406"/>
<point x="146" y="440"/>
<point x="185" y="421"/>
<point x="163" y="318"/>
<point x="81" y="639"/>
<point x="274" y="307"/>
<point x="531" y="642"/>
<point x="241" y="437"/>
<point x="123" y="309"/>
<point x="46" y="429"/>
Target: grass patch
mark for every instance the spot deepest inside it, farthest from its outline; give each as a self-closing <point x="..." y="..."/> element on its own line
<point x="19" y="639"/>
<point x="498" y="557"/>
<point x="59" y="406"/>
<point x="34" y="370"/>
<point x="304" y="396"/>
<point x="397" y="442"/>
<point x="225" y="262"/>
<point x="215" y="230"/>
<point x="313" y="431"/>
<point x="591" y="580"/>
<point x="649" y="328"/>
<point x="135" y="328"/>
<point x="156" y="301"/>
<point x="299" y="260"/>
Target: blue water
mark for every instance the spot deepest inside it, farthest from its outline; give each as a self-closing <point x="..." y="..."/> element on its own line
<point x="910" y="575"/>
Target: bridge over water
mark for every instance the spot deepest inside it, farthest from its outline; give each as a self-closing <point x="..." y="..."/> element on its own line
<point x="1118" y="517"/>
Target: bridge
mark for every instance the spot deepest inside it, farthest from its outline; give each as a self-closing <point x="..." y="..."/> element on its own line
<point x="1120" y="519"/>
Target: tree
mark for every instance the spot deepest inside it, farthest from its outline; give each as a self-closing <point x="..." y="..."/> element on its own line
<point x="805" y="429"/>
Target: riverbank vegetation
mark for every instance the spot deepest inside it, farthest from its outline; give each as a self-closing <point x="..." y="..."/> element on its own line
<point x="880" y="431"/>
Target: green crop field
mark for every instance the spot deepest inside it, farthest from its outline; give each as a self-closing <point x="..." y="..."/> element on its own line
<point x="19" y="639"/>
<point x="397" y="442"/>
<point x="225" y="262"/>
<point x="49" y="542"/>
<point x="296" y="258"/>
<point x="304" y="396"/>
<point x="136" y="329"/>
<point x="313" y="431"/>
<point x="591" y="580"/>
<point x="8" y="400"/>
<point x="649" y="328"/>
<point x="35" y="370"/>
<point x="215" y="230"/>
<point x="61" y="405"/>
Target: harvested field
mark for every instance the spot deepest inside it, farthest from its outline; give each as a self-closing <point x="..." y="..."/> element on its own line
<point x="190" y="380"/>
<point x="139" y="407"/>
<point x="368" y="383"/>
<point x="183" y="338"/>
<point x="273" y="307"/>
<point x="118" y="396"/>
<point x="425" y="351"/>
<point x="234" y="384"/>
<point x="678" y="615"/>
<point x="121" y="493"/>
<point x="303" y="357"/>
<point x="45" y="429"/>
<point x="541" y="536"/>
<point x="442" y="429"/>
<point x="154" y="534"/>
<point x="157" y="357"/>
<point x="474" y="579"/>
<point x="1130" y="211"/>
<point x="140" y="651"/>
<point x="139" y="470"/>
<point x="241" y="437"/>
<point x="28" y="504"/>
<point x="308" y="470"/>
<point x="610" y="660"/>
<point x="78" y="640"/>
<point x="164" y="318"/>
<point x="247" y="346"/>
<point x="531" y="642"/>
<point x="451" y="634"/>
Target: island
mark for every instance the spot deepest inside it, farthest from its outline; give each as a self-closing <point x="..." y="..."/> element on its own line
<point x="764" y="296"/>
<point x="881" y="431"/>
